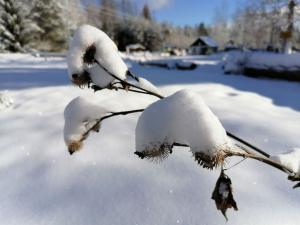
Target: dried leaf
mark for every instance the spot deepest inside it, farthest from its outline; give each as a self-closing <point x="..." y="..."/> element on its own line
<point x="222" y="194"/>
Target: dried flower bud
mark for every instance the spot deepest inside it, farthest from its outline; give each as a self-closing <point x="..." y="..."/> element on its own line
<point x="156" y="153"/>
<point x="210" y="162"/>
<point x="82" y="79"/>
<point x="74" y="146"/>
<point x="222" y="194"/>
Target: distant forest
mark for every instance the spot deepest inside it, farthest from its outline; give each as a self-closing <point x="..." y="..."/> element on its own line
<point x="47" y="25"/>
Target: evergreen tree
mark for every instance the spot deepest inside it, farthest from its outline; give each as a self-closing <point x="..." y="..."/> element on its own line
<point x="13" y="33"/>
<point x="146" y="13"/>
<point x="201" y="30"/>
<point x="49" y="17"/>
<point x="152" y="37"/>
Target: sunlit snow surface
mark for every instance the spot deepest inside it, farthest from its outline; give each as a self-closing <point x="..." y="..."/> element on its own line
<point x="105" y="183"/>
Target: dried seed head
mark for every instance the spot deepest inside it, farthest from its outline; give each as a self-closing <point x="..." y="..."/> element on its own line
<point x="223" y="194"/>
<point x="82" y="79"/>
<point x="89" y="55"/>
<point x="208" y="161"/>
<point x="74" y="146"/>
<point x="156" y="153"/>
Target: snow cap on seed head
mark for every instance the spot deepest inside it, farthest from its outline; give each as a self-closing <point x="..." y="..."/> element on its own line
<point x="85" y="38"/>
<point x="182" y="118"/>
<point x="81" y="116"/>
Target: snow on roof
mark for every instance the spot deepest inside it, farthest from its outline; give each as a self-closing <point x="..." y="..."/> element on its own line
<point x="207" y="40"/>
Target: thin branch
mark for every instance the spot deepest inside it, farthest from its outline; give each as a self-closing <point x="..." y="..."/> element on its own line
<point x="268" y="161"/>
<point x="247" y="144"/>
<point x="132" y="90"/>
<point x="109" y="116"/>
<point x="265" y="158"/>
<point x="129" y="84"/>
<point x="245" y="154"/>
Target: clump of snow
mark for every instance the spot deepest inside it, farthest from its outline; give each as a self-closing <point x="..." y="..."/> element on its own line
<point x="106" y="53"/>
<point x="275" y="61"/>
<point x="180" y="118"/>
<point x="81" y="116"/>
<point x="289" y="159"/>
<point x="234" y="62"/>
<point x="5" y="100"/>
<point x="147" y="85"/>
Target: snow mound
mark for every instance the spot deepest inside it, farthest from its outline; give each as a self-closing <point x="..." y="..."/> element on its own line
<point x="147" y="85"/>
<point x="6" y="101"/>
<point x="94" y="44"/>
<point x="289" y="159"/>
<point x="80" y="117"/>
<point x="234" y="62"/>
<point x="181" y="118"/>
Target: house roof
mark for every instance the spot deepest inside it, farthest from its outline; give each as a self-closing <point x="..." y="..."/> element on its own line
<point x="206" y="40"/>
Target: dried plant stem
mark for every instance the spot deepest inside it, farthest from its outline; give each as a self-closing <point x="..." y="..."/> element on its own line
<point x="144" y="91"/>
<point x="247" y="144"/>
<point x="263" y="157"/>
<point x="129" y="84"/>
<point x="109" y="116"/>
<point x="229" y="153"/>
<point x="268" y="161"/>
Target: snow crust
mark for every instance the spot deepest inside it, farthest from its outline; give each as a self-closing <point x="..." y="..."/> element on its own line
<point x="80" y="116"/>
<point x="106" y="54"/>
<point x="183" y="118"/>
<point x="289" y="159"/>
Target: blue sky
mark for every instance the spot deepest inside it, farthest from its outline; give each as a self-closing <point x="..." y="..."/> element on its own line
<point x="186" y="12"/>
<point x="191" y="12"/>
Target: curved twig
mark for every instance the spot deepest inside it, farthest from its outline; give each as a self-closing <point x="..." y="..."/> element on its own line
<point x="109" y="116"/>
<point x="244" y="153"/>
<point x="292" y="175"/>
<point x="129" y="84"/>
<point x="247" y="144"/>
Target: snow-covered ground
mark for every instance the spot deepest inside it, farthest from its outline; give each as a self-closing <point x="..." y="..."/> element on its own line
<point x="105" y="183"/>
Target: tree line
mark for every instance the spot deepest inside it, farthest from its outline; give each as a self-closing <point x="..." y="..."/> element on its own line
<point x="46" y="25"/>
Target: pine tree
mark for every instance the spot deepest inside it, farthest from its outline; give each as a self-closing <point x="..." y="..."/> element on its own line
<point x="146" y="13"/>
<point x="49" y="17"/>
<point x="13" y="33"/>
<point x="201" y="30"/>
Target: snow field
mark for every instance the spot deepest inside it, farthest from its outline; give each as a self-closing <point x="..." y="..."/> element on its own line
<point x="105" y="183"/>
